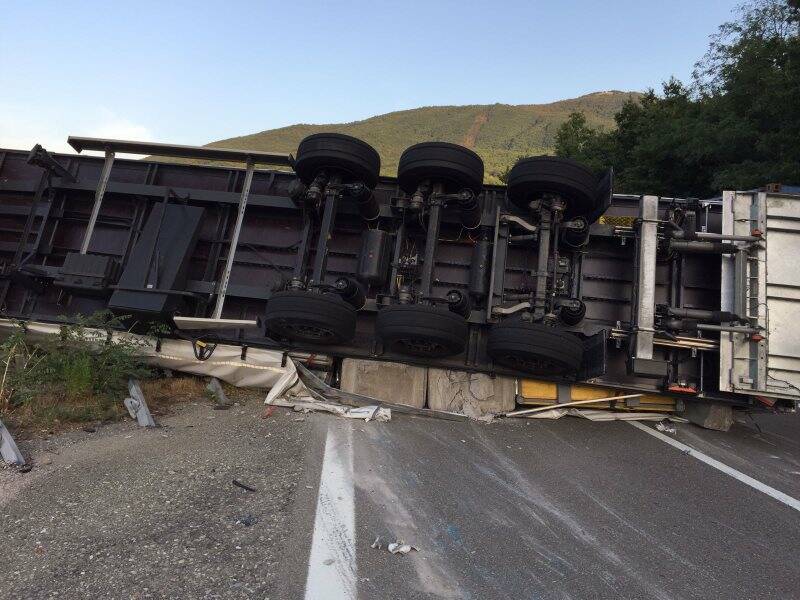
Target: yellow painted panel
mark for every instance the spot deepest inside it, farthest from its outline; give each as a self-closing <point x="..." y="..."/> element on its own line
<point x="589" y="392"/>
<point x="536" y="389"/>
<point x="656" y="399"/>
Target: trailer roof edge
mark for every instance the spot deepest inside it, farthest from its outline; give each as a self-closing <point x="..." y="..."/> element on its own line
<point x="178" y="151"/>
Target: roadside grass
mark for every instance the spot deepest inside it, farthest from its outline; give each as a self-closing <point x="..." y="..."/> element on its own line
<point x="76" y="376"/>
<point x="163" y="392"/>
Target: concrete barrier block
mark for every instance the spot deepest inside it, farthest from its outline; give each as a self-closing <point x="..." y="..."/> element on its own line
<point x="710" y="415"/>
<point x="390" y="382"/>
<point x="472" y="394"/>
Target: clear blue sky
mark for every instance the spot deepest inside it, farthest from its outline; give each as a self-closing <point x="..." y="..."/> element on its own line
<point x="195" y="71"/>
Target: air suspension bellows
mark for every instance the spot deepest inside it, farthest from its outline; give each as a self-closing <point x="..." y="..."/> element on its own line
<point x="351" y="292"/>
<point x="577" y="234"/>
<point x="368" y="206"/>
<point x="470" y="209"/>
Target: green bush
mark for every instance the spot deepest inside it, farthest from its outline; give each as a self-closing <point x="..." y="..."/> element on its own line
<point x="78" y="374"/>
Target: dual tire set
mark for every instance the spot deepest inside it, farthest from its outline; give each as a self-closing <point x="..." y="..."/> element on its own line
<point x="422" y="330"/>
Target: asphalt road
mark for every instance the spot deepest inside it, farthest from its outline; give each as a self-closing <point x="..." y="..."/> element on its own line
<point x="517" y="509"/>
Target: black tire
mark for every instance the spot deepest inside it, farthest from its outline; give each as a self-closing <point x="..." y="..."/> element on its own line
<point x="421" y="330"/>
<point x="453" y="165"/>
<point x="353" y="159"/>
<point x="310" y="318"/>
<point x="534" y="348"/>
<point x="532" y="177"/>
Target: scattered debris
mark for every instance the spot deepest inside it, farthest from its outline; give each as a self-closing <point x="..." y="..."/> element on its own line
<point x="301" y="390"/>
<point x="268" y="412"/>
<point x="137" y="405"/>
<point x="401" y="547"/>
<point x="89" y="429"/>
<point x="247" y="520"/>
<point x="593" y="414"/>
<point x="244" y="486"/>
<point x="398" y="547"/>
<point x="666" y="427"/>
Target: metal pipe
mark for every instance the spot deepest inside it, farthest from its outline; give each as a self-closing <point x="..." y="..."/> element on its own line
<point x="714" y="316"/>
<point x="702" y="247"/>
<point x="237" y="230"/>
<point x="98" y="200"/>
<point x="729" y="328"/>
<point x="733" y="238"/>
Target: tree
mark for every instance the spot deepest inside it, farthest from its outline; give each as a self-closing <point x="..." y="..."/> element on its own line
<point x="736" y="126"/>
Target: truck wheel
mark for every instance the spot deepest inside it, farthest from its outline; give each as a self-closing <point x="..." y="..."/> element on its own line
<point x="533" y="177"/>
<point x="534" y="348"/>
<point x="310" y="317"/>
<point x="421" y="330"/>
<point x="349" y="156"/>
<point x="453" y="165"/>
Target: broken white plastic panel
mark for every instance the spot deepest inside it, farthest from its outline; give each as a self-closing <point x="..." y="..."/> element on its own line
<point x="205" y="323"/>
<point x="8" y="448"/>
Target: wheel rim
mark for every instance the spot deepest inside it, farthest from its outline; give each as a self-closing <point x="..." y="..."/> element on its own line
<point x="532" y="363"/>
<point x="305" y="331"/>
<point x="421" y="346"/>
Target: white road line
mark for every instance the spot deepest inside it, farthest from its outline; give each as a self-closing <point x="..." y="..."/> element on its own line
<point x="332" y="563"/>
<point x="746" y="479"/>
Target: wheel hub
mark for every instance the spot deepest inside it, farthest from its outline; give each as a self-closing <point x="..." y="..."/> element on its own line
<point x="422" y="346"/>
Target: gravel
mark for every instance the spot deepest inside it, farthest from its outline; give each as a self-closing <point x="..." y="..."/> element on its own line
<point x="125" y="512"/>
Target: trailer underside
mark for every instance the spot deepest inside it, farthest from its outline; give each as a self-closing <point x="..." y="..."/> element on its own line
<point x="162" y="237"/>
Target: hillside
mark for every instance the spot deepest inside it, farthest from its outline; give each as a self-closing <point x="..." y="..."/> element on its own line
<point x="498" y="132"/>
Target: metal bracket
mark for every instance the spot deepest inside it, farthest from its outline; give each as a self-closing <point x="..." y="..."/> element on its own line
<point x="137" y="405"/>
<point x="519" y="221"/>
<point x="42" y="158"/>
<point x="510" y="310"/>
<point x="8" y="448"/>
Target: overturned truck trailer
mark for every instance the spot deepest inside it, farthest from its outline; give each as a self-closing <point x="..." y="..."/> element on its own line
<point x="552" y="276"/>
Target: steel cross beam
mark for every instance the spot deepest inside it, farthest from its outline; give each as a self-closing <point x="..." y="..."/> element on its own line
<point x="325" y="228"/>
<point x="98" y="199"/>
<point x="237" y="230"/>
